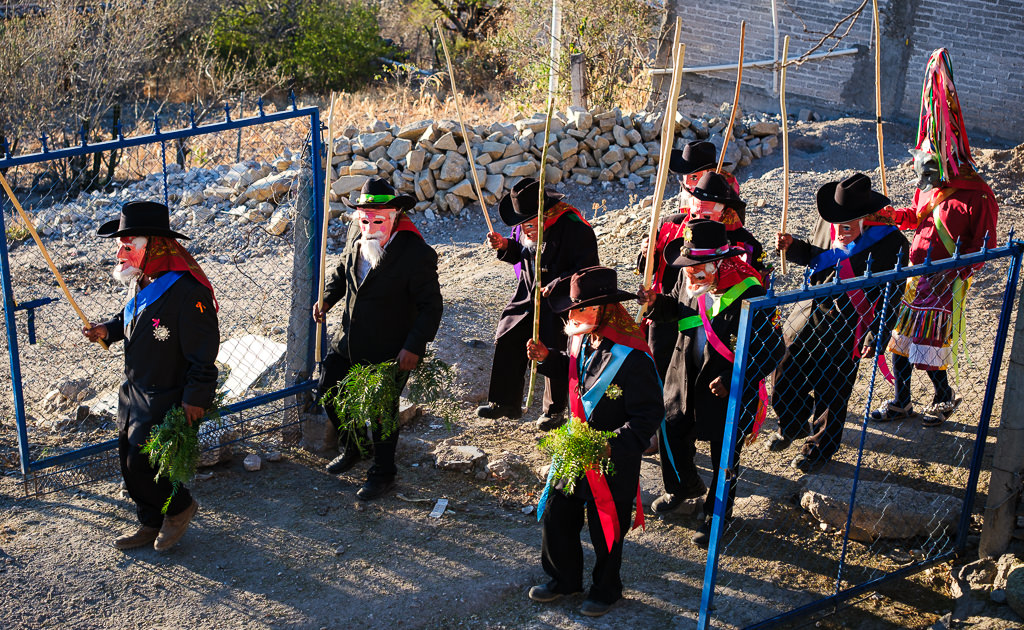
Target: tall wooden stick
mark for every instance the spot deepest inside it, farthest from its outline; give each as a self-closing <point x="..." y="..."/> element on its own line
<point x="46" y="256"/>
<point x="328" y="171"/>
<point x="556" y="33"/>
<point x="785" y="147"/>
<point x="735" y="99"/>
<point x="668" y="131"/>
<point x="462" y="124"/>
<point x="878" y="98"/>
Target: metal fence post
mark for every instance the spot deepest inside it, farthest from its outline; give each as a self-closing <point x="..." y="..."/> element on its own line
<point x="12" y="347"/>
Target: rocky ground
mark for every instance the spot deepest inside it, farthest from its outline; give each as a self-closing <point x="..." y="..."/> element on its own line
<point x="289" y="546"/>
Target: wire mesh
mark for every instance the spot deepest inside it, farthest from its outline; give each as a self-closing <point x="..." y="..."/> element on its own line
<point x="793" y="539"/>
<point x="234" y="192"/>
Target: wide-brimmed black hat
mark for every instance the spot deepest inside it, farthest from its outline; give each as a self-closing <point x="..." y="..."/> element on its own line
<point x="587" y="287"/>
<point x="703" y="241"/>
<point x="379" y="194"/>
<point x="520" y="204"/>
<point x="715" y="187"/>
<point x="140" y="218"/>
<point x="696" y="156"/>
<point x="849" y="200"/>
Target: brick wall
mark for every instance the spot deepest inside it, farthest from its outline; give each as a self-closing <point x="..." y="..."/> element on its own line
<point x="985" y="39"/>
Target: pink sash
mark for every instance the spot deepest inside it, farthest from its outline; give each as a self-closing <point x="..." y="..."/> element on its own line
<point x="865" y="313"/>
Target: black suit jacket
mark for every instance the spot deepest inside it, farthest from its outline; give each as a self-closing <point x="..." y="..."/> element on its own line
<point x="634" y="416"/>
<point x="163" y="373"/>
<point x="398" y="306"/>
<point x="569" y="246"/>
<point x="688" y="397"/>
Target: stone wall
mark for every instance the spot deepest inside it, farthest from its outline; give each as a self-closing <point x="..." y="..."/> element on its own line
<point x="985" y="39"/>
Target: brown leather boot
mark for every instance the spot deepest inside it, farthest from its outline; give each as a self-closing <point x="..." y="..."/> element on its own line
<point x="174" y="527"/>
<point x="141" y="538"/>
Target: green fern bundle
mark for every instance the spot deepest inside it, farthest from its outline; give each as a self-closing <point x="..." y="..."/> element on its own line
<point x="173" y="449"/>
<point x="576" y="447"/>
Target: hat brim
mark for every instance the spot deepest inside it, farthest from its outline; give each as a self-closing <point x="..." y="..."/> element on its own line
<point x="831" y="212"/>
<point x="109" y="230"/>
<point x="680" y="166"/>
<point x="509" y="215"/>
<point x="560" y="301"/>
<point x="675" y="258"/>
<point x="402" y="203"/>
<point x="729" y="202"/>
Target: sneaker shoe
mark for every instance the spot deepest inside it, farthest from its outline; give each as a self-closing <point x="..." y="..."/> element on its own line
<point x="550" y="422"/>
<point x="375" y="487"/>
<point x="808" y="465"/>
<point x="494" y="411"/>
<point x="544" y="593"/>
<point x="349" y="457"/>
<point x="144" y="536"/>
<point x="174" y="527"/>
<point x="591" y="608"/>
<point x="891" y="411"/>
<point x="778" y="442"/>
<point x="937" y="413"/>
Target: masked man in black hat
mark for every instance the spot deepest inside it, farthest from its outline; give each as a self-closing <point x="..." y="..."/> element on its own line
<point x="569" y="245"/>
<point x="705" y="303"/>
<point x="613" y="387"/>
<point x="827" y="336"/>
<point x="391" y="307"/>
<point x="169" y="328"/>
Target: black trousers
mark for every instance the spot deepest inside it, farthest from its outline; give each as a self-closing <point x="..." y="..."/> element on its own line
<point x="820" y="415"/>
<point x="717" y="446"/>
<point x="508" y="370"/>
<point x="679" y="440"/>
<point x="148" y="494"/>
<point x="903" y="369"/>
<point x="562" y="549"/>
<point x="335" y="368"/>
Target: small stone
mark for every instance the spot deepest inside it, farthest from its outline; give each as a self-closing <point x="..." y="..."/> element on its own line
<point x="528" y="509"/>
<point x="414" y="130"/>
<point x="399" y="148"/>
<point x="252" y="462"/>
<point x="370" y="141"/>
<point x="274" y="456"/>
<point x="446" y="143"/>
<point x="340" y="549"/>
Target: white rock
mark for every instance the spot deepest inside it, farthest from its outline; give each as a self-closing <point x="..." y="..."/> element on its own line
<point x="413" y="131"/>
<point x="459" y="458"/>
<point x="446" y="143"/>
<point x="347" y="183"/>
<point x="580" y="117"/>
<point x="414" y="160"/>
<point x="274" y="456"/>
<point x="370" y="141"/>
<point x="399" y="148"/>
<point x="362" y="167"/>
<point x="519" y="169"/>
<point x="279" y="222"/>
<point x="191" y="198"/>
<point x="272" y="187"/>
<point x="252" y="462"/>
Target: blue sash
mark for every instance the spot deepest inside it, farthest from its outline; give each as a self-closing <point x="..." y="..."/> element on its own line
<point x="148" y="295"/>
<point x="829" y="258"/>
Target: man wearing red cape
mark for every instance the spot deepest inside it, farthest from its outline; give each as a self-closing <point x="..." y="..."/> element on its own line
<point x="705" y="304"/>
<point x="613" y="386"/>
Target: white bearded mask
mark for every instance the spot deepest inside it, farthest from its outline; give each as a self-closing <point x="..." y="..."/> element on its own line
<point x="129" y="258"/>
<point x="375" y="226"/>
<point x="700" y="278"/>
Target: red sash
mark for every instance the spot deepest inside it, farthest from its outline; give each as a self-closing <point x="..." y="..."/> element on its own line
<point x="865" y="313"/>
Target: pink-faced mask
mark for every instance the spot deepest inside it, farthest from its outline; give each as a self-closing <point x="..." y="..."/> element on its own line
<point x="131" y="253"/>
<point x="699" y="278"/>
<point x="700" y="209"/>
<point x="376" y="224"/>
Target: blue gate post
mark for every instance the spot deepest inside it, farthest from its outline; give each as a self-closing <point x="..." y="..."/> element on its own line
<point x="12" y="346"/>
<point x="1009" y="293"/>
<point x="726" y="461"/>
<point x="321" y="174"/>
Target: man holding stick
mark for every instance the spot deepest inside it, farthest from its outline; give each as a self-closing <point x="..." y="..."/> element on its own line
<point x="569" y="245"/>
<point x="169" y="328"/>
<point x="390" y="297"/>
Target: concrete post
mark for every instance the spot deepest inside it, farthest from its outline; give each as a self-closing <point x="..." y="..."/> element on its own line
<point x="1004" y="488"/>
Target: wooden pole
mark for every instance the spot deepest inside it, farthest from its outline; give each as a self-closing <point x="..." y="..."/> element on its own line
<point x="578" y="77"/>
<point x="785" y="147"/>
<point x="668" y="132"/>
<point x="878" y="98"/>
<point x="556" y="33"/>
<point x="46" y="256"/>
<point x="328" y="171"/>
<point x="462" y="124"/>
<point x="735" y="99"/>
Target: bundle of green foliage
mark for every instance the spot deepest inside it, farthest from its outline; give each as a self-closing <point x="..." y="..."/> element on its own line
<point x="576" y="447"/>
<point x="366" y="400"/>
<point x="173" y="448"/>
<point x="320" y="44"/>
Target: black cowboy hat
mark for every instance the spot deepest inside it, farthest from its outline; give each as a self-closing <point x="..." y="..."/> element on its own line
<point x="520" y="204"/>
<point x="849" y="200"/>
<point x="378" y="194"/>
<point x="715" y="187"/>
<point x="698" y="155"/>
<point x="140" y="218"/>
<point x="587" y="287"/>
<point x="703" y="241"/>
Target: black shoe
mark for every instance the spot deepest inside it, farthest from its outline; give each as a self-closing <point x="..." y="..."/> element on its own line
<point x="808" y="465"/>
<point x="778" y="442"/>
<point x="375" y="487"/>
<point x="345" y="461"/>
<point x="494" y="411"/>
<point x="550" y="422"/>
<point x="702" y="538"/>
<point x="592" y="608"/>
<point x="543" y="593"/>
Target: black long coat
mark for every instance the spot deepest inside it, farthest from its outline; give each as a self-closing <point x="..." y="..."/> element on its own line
<point x="398" y="305"/>
<point x="688" y="397"/>
<point x="634" y="415"/>
<point x="569" y="246"/>
<point x="169" y="357"/>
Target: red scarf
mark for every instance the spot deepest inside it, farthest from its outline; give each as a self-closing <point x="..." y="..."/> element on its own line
<point x="167" y="254"/>
<point x="404" y="224"/>
<point x="556" y="211"/>
<point x="733" y="271"/>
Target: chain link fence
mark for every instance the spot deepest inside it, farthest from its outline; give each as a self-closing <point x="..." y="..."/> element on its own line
<point x="865" y="500"/>
<point x="244" y="192"/>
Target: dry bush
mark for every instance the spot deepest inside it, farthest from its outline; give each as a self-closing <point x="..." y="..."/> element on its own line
<point x="405" y="104"/>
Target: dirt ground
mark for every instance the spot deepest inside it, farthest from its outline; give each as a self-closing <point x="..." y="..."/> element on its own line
<point x="290" y="547"/>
